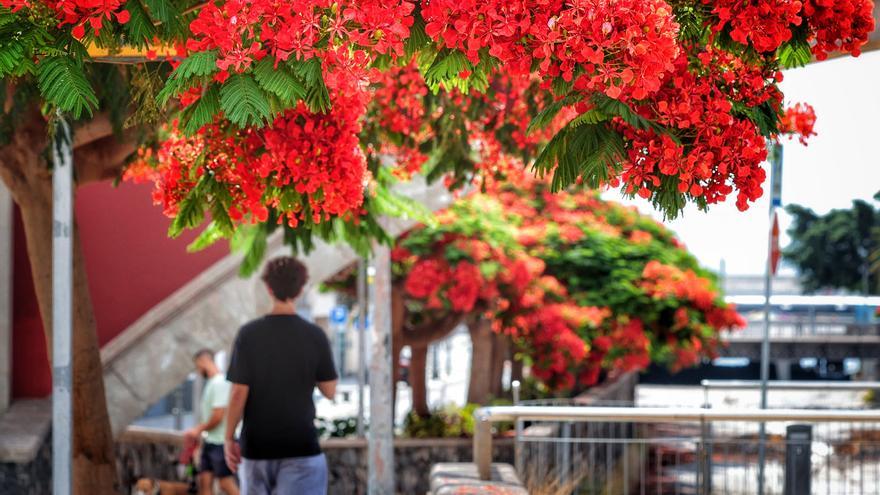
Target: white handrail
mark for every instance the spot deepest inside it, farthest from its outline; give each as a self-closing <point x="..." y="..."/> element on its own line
<point x="790" y="385"/>
<point x="485" y="416"/>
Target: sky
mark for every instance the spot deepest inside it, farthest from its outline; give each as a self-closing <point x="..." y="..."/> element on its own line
<point x="839" y="165"/>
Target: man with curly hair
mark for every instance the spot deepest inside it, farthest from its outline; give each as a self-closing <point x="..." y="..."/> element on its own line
<point x="277" y="361"/>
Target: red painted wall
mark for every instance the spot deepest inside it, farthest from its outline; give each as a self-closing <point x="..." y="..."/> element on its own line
<point x="131" y="265"/>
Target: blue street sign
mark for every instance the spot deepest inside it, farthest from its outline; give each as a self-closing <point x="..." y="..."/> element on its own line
<point x="338" y="314"/>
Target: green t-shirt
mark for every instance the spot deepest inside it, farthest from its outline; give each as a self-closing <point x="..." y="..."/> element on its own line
<point x="215" y="394"/>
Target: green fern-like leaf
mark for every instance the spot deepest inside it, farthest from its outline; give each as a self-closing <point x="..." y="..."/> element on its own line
<point x="140" y="26"/>
<point x="543" y="118"/>
<point x="188" y="74"/>
<point x="202" y="112"/>
<point x="795" y="52"/>
<point x="446" y="68"/>
<point x="170" y="17"/>
<point x="251" y="240"/>
<point x="417" y="40"/>
<point x="310" y="73"/>
<point x="611" y="107"/>
<point x="207" y="238"/>
<point x="587" y="151"/>
<point x="244" y="102"/>
<point x="63" y="83"/>
<point x="592" y="116"/>
<point x="191" y="211"/>
<point x="279" y="81"/>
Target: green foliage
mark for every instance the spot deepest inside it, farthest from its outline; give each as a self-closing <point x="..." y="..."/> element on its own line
<point x="611" y="107"/>
<point x="201" y="112"/>
<point x="449" y="422"/>
<point x="19" y="41"/>
<point x="243" y="102"/>
<point x="191" y="211"/>
<point x="63" y="83"/>
<point x="251" y="241"/>
<point x="309" y="71"/>
<point x="543" y="118"/>
<point x="796" y="51"/>
<point x="587" y="151"/>
<point x="192" y="70"/>
<point x="279" y="81"/>
<point x="833" y="251"/>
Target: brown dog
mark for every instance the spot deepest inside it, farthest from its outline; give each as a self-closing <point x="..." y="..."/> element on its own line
<point x="147" y="486"/>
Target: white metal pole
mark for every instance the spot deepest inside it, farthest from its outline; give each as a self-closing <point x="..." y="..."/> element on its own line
<point x="62" y="307"/>
<point x="775" y="200"/>
<point x="381" y="435"/>
<point x="363" y="311"/>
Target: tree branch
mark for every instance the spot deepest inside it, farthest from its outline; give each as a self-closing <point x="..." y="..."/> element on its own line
<point x="95" y="129"/>
<point x="432" y="331"/>
<point x="103" y="159"/>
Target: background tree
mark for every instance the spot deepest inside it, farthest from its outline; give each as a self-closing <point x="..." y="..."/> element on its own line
<point x="833" y="251"/>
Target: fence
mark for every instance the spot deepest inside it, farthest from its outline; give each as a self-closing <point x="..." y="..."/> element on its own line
<point x="627" y="450"/>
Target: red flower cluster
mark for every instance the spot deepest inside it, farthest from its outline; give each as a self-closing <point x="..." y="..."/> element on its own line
<point x="308" y="167"/>
<point x="79" y="13"/>
<point x="664" y="281"/>
<point x="799" y="120"/>
<point x="626" y="347"/>
<point x="839" y="25"/>
<point x="833" y="25"/>
<point x="620" y="47"/>
<point x="244" y="30"/>
<point x="558" y="348"/>
<point x="763" y="24"/>
<point x="718" y="152"/>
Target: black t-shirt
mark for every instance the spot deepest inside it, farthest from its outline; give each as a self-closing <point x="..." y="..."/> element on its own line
<point x="280" y="358"/>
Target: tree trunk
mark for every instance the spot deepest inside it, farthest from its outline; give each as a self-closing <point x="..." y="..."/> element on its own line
<point x="481" y="363"/>
<point x="94" y="465"/>
<point x="417" y="376"/>
<point x="500" y="347"/>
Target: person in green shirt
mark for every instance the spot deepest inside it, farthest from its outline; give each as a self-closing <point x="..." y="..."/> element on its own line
<point x="211" y="428"/>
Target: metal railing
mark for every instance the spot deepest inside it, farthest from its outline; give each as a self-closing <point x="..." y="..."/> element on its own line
<point x="630" y="450"/>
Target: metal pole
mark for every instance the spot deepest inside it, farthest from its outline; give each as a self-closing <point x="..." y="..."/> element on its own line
<point x="62" y="307"/>
<point x="381" y="435"/>
<point x="362" y="341"/>
<point x="775" y="200"/>
<point x="517" y="446"/>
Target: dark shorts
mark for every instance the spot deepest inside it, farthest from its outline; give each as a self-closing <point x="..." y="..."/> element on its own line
<point x="213" y="461"/>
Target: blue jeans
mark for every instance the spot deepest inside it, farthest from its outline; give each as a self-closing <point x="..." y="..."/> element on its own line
<point x="290" y="476"/>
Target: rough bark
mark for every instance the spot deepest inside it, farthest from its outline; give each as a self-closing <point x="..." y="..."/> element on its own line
<point x="417" y="377"/>
<point x="27" y="176"/>
<point x="481" y="368"/>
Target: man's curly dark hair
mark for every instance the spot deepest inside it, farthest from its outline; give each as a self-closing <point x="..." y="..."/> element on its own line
<point x="285" y="276"/>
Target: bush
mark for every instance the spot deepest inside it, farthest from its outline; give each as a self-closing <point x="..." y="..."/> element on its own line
<point x="450" y="422"/>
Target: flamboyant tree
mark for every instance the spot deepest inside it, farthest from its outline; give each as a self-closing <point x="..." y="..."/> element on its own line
<point x="271" y="121"/>
<point x="573" y="285"/>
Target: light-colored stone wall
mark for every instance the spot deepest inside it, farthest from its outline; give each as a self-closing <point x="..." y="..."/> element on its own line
<point x="143" y="452"/>
<point x="153" y="356"/>
<point x="6" y="232"/>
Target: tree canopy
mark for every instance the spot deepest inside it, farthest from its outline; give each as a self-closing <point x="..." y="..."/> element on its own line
<point x="580" y="285"/>
<point x="836" y="250"/>
<point x="290" y="113"/>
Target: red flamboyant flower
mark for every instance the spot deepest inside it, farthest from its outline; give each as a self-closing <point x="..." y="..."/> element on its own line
<point x="798" y="120"/>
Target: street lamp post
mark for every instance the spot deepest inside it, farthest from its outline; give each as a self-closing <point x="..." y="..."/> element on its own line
<point x="772" y="240"/>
